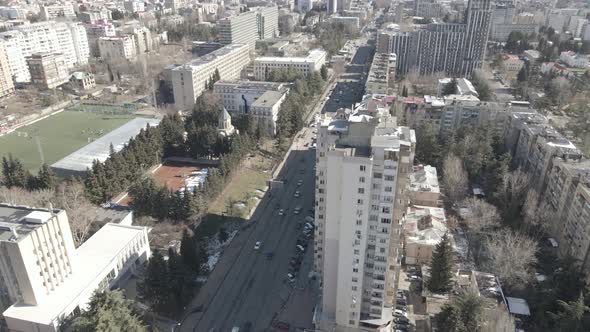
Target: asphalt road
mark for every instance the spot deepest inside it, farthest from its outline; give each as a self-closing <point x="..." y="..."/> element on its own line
<point x="350" y="87"/>
<point x="256" y="287"/>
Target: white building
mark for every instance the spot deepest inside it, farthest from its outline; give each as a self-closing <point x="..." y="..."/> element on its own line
<point x="305" y="66"/>
<point x="13" y="42"/>
<point x="363" y="163"/>
<point x="238" y="96"/>
<point x="142" y="36"/>
<point x="573" y="59"/>
<point x="134" y="6"/>
<point x="424" y="188"/>
<point x="189" y="80"/>
<point x="266" y="108"/>
<point x="6" y="82"/>
<point x="80" y="41"/>
<point x="45" y="278"/>
<point x="303" y="6"/>
<point x="258" y="23"/>
<point x="51" y="12"/>
<point x="118" y="48"/>
<point x="424" y="228"/>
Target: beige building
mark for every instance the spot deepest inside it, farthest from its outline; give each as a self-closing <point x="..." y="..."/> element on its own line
<point x="424" y="189"/>
<point x="511" y="64"/>
<point x="6" y="82"/>
<point x="257" y="23"/>
<point x="303" y="65"/>
<point x="45" y="278"/>
<point x="118" y="48"/>
<point x="48" y="70"/>
<point x="189" y="80"/>
<point x="363" y="165"/>
<point x="424" y="227"/>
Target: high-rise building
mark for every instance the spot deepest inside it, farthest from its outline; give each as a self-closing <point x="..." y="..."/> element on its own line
<point x="453" y="48"/>
<point x="258" y="23"/>
<point x="48" y="70"/>
<point x="6" y="82"/>
<point x="13" y="43"/>
<point x="95" y="31"/>
<point x="55" y="11"/>
<point x="363" y="165"/>
<point x="80" y="41"/>
<point x="190" y="80"/>
<point x="332" y="7"/>
<point x="118" y="48"/>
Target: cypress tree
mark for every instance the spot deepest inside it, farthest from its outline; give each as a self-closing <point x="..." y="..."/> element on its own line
<point x="188" y="251"/>
<point x="441" y="267"/>
<point x="45" y="178"/>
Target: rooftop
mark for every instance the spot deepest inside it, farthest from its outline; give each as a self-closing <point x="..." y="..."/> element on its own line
<point x="425" y="224"/>
<point x="209" y="57"/>
<point x="100" y="149"/>
<point x="93" y="257"/>
<point x="313" y="56"/>
<point x="268" y="99"/>
<point x="21" y="219"/>
<point x="424" y="178"/>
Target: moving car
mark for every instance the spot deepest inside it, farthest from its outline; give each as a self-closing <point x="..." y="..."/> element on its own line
<point x="257" y="245"/>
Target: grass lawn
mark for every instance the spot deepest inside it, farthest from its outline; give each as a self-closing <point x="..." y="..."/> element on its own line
<point x="244" y="184"/>
<point x="59" y="135"/>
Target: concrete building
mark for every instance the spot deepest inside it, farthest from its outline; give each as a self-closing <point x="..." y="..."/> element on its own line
<point x="303" y="6"/>
<point x="13" y="43"/>
<point x="189" y="80"/>
<point x="82" y="81"/>
<point x="92" y="16"/>
<point x="134" y="6"/>
<point x="80" y="42"/>
<point x="142" y="37"/>
<point x="48" y="70"/>
<point x="350" y="22"/>
<point x="118" y="48"/>
<point x="238" y="96"/>
<point x="258" y="23"/>
<point x="424" y="188"/>
<point x="454" y="48"/>
<point x="6" y="81"/>
<point x="429" y="8"/>
<point x="575" y="60"/>
<point x="511" y="64"/>
<point x="266" y="108"/>
<point x="332" y="6"/>
<point x="303" y="65"/>
<point x="45" y="281"/>
<point x="363" y="165"/>
<point x="424" y="227"/>
<point x="56" y="11"/>
<point x="95" y="31"/>
<point x="175" y="5"/>
<point x="381" y="74"/>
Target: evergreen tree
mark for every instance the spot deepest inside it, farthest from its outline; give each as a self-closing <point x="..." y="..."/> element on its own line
<point x="450" y="88"/>
<point x="154" y="288"/>
<point x="324" y="72"/>
<point x="571" y="314"/>
<point x="523" y="75"/>
<point x="404" y="91"/>
<point x="108" y="311"/>
<point x="441" y="273"/>
<point x="188" y="251"/>
<point x="428" y="150"/>
<point x="45" y="178"/>
<point x="449" y="319"/>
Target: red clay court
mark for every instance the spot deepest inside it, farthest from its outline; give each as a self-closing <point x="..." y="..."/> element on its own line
<point x="172" y="175"/>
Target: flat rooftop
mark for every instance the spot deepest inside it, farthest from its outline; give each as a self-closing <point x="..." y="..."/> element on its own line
<point x="81" y="160"/>
<point x="92" y="258"/>
<point x="211" y="56"/>
<point x="268" y="99"/>
<point x="22" y="219"/>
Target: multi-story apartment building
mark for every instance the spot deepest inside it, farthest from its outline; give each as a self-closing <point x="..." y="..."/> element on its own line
<point x="189" y="80"/>
<point x="91" y="16"/>
<point x="134" y="6"/>
<point x="238" y="96"/>
<point x="13" y="42"/>
<point x="363" y="164"/>
<point x="44" y="278"/>
<point x="117" y="48"/>
<point x="429" y="8"/>
<point x="575" y="60"/>
<point x="258" y="23"/>
<point x="95" y="31"/>
<point x="265" y="110"/>
<point x="303" y="6"/>
<point x="424" y="189"/>
<point x="453" y="48"/>
<point x="80" y="41"/>
<point x="142" y="36"/>
<point x="303" y="65"/>
<point x="51" y="12"/>
<point x="48" y="70"/>
<point x="332" y="6"/>
<point x="6" y="82"/>
<point x="381" y="74"/>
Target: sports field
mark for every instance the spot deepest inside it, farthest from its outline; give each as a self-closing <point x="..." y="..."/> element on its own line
<point x="58" y="135"/>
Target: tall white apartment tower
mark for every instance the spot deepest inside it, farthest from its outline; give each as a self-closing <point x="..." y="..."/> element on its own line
<point x="363" y="164"/>
<point x="478" y="22"/>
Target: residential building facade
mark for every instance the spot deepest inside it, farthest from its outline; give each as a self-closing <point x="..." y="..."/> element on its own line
<point x="95" y="31"/>
<point x="118" y="48"/>
<point x="363" y="163"/>
<point x="189" y="80"/>
<point x="6" y="81"/>
<point x="305" y="66"/>
<point x="48" y="70"/>
<point x="258" y="23"/>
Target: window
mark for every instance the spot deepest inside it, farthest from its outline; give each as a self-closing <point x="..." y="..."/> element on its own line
<point x="362" y="179"/>
<point x="354" y="288"/>
<point x="382" y="250"/>
<point x="362" y="168"/>
<point x="385" y="209"/>
<point x="359" y="202"/>
<point x="356" y="252"/>
<point x="389" y="177"/>
<point x="385" y="221"/>
<point x="388" y="189"/>
<point x="321" y="191"/>
<point x="359" y="222"/>
<point x="377" y="175"/>
<point x="361" y="190"/>
<point x="355" y="270"/>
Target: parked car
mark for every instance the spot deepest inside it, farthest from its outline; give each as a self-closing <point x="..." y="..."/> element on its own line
<point x="281" y="212"/>
<point x="300" y="248"/>
<point x="291" y="277"/>
<point x="257" y="245"/>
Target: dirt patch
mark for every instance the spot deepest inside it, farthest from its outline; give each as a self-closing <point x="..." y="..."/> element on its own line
<point x="173" y="176"/>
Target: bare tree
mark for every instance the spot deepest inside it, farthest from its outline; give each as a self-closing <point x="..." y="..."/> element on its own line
<point x="81" y="213"/>
<point x="512" y="193"/>
<point x="510" y="256"/>
<point x="560" y="90"/>
<point x="482" y="216"/>
<point x="537" y="215"/>
<point x="498" y="320"/>
<point x="454" y="178"/>
<point x="20" y="196"/>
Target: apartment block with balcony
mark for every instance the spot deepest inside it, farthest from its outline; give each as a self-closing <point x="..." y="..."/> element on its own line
<point x="6" y="83"/>
<point x="257" y="23"/>
<point x="118" y="48"/>
<point x="363" y="165"/>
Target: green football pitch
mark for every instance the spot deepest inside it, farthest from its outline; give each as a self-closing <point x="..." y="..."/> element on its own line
<point x="58" y="136"/>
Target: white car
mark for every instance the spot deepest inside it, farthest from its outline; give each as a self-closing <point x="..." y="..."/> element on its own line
<point x="281" y="212"/>
<point x="297" y="210"/>
<point x="401" y="313"/>
<point x="257" y="245"/>
<point x="291" y="277"/>
<point x="297" y="194"/>
<point x="299" y="183"/>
